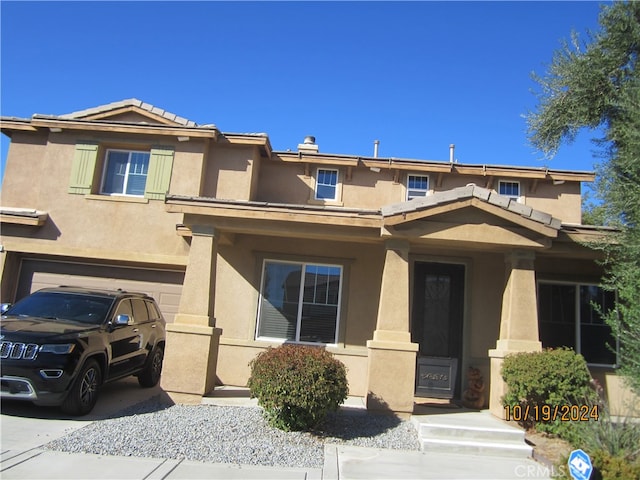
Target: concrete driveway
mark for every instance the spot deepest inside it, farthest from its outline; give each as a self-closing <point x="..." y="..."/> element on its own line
<point x="25" y="426"/>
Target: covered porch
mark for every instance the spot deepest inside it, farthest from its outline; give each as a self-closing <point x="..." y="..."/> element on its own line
<point x="477" y="248"/>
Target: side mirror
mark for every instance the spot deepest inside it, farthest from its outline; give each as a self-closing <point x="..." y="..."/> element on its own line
<point x="122" y="320"/>
<point x="4" y="307"/>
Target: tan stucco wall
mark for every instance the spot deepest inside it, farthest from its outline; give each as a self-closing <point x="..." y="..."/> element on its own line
<point x="188" y="168"/>
<point x="239" y="270"/>
<point x="621" y="400"/>
<point x="274" y="175"/>
<point x="23" y="170"/>
<point x="562" y="201"/>
<point x="79" y="225"/>
<point x="229" y="172"/>
<point x="367" y="189"/>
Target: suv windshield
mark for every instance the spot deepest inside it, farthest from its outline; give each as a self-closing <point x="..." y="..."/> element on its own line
<point x="91" y="309"/>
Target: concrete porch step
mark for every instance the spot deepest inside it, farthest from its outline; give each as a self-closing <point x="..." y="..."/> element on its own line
<point x="470" y="432"/>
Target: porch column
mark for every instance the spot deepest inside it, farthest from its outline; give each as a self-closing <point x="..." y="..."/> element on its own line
<point x="518" y="321"/>
<point x="191" y="353"/>
<point x="392" y="356"/>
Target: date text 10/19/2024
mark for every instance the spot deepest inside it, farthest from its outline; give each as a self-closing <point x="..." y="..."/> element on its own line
<point x="549" y="413"/>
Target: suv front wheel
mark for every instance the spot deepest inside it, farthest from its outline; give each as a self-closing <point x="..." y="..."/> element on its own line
<point x="84" y="393"/>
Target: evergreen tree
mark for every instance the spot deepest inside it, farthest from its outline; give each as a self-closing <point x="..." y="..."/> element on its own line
<point x="596" y="84"/>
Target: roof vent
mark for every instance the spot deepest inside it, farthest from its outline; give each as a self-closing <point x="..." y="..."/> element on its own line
<point x="309" y="145"/>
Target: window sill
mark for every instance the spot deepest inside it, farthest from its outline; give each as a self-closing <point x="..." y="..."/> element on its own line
<point x="338" y="349"/>
<point x="333" y="203"/>
<point x="117" y="198"/>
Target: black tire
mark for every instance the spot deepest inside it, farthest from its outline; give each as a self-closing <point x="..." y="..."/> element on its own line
<point x="84" y="393"/>
<point x="150" y="376"/>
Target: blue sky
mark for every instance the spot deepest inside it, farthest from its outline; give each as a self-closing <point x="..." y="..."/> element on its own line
<point x="417" y="76"/>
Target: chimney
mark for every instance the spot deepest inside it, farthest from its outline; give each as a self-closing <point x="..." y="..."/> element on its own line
<point x="308" y="145"/>
<point x="452" y="148"/>
<point x="376" y="144"/>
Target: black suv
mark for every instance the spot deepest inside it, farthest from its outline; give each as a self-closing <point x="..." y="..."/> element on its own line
<point x="58" y="345"/>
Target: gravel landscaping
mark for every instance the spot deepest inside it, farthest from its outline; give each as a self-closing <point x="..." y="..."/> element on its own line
<point x="226" y="434"/>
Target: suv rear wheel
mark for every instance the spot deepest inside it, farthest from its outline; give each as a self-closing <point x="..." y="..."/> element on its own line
<point x="150" y="376"/>
<point x="84" y="392"/>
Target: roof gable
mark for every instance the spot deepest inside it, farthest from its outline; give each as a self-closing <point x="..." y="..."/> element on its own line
<point x="475" y="197"/>
<point x="130" y="110"/>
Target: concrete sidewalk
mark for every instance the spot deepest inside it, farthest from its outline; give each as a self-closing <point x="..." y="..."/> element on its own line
<point x="340" y="462"/>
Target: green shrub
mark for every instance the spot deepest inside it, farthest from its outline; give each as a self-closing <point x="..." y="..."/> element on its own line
<point x="613" y="439"/>
<point x="605" y="467"/>
<point x="297" y="385"/>
<point x="545" y="379"/>
<point x="613" y="467"/>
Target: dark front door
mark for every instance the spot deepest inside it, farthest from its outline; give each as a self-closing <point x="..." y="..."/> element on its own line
<point x="438" y="309"/>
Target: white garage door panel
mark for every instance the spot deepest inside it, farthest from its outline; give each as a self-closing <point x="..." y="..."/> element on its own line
<point x="167" y="294"/>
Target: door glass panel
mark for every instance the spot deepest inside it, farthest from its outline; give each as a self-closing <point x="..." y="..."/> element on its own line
<point x="437" y="298"/>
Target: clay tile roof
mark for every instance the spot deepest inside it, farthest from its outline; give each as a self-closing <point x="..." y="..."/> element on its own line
<point x="130" y="102"/>
<point x="472" y="191"/>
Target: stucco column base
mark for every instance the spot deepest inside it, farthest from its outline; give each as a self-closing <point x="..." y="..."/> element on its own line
<point x="498" y="387"/>
<point x="391" y="376"/>
<point x="191" y="356"/>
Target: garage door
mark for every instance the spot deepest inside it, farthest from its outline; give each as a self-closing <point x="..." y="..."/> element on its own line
<point x="163" y="285"/>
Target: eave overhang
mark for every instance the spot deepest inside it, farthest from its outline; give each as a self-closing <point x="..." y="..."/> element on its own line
<point x="260" y="140"/>
<point x="9" y="125"/>
<point x="125" y="127"/>
<point x="300" y="221"/>
<point x="435" y="166"/>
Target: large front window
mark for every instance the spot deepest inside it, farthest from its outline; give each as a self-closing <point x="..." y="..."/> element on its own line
<point x="125" y="172"/>
<point x="568" y="318"/>
<point x="299" y="302"/>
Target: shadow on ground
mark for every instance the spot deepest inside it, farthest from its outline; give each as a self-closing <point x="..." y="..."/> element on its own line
<point x="116" y="399"/>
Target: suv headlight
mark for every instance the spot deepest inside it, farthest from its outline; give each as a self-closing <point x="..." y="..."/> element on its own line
<point x="58" y="348"/>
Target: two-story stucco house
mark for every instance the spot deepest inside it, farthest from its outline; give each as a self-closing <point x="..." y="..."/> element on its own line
<point x="408" y="271"/>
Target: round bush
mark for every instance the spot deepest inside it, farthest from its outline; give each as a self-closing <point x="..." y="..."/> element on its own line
<point x="297" y="385"/>
<point x="550" y="377"/>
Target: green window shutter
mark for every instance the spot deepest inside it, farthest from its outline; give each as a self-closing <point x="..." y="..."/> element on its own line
<point x="83" y="167"/>
<point x="159" y="176"/>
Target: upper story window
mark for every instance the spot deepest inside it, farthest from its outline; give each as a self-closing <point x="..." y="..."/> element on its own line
<point x="125" y="172"/>
<point x="417" y="186"/>
<point x="132" y="173"/>
<point x="299" y="302"/>
<point x="326" y="184"/>
<point x="509" y="188"/>
<point x="567" y="318"/>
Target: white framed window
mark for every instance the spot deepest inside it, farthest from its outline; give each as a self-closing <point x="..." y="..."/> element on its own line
<point x="567" y="318"/>
<point x="125" y="172"/>
<point x="509" y="188"/>
<point x="417" y="186"/>
<point x="299" y="302"/>
<point x="326" y="184"/>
